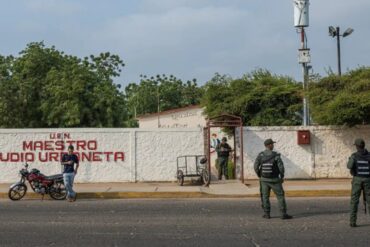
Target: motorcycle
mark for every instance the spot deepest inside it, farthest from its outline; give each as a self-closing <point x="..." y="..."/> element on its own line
<point x="40" y="184"/>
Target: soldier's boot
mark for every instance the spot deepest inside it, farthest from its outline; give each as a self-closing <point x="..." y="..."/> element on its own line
<point x="286" y="216"/>
<point x="266" y="215"/>
<point x="353" y="225"/>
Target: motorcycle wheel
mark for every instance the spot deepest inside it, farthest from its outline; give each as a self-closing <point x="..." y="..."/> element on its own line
<point x="17" y="192"/>
<point x="58" y="191"/>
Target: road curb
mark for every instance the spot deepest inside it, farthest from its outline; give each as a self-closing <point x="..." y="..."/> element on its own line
<point x="137" y="195"/>
<point x="318" y="193"/>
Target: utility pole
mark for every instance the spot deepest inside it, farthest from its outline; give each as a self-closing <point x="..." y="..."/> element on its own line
<point x="158" y="108"/>
<point x="306" y="120"/>
<point x="301" y="20"/>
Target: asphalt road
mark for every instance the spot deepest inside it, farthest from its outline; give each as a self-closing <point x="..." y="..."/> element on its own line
<point x="180" y="222"/>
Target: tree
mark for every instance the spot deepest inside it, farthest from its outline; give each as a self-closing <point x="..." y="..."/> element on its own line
<point x="260" y="98"/>
<point x="9" y="100"/>
<point x="341" y="100"/>
<point x="161" y="93"/>
<point x="44" y="87"/>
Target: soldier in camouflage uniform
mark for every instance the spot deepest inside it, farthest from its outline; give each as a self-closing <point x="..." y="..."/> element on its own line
<point x="359" y="165"/>
<point x="270" y="169"/>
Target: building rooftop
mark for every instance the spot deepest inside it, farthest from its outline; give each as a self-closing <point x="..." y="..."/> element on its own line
<point x="149" y="115"/>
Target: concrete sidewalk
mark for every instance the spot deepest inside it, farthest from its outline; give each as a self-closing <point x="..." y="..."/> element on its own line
<point x="217" y="189"/>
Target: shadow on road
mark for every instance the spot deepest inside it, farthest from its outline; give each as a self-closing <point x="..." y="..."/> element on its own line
<point x="312" y="214"/>
<point x="365" y="225"/>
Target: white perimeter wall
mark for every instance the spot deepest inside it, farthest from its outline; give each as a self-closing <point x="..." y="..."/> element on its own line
<point x="150" y="155"/>
<point x="325" y="157"/>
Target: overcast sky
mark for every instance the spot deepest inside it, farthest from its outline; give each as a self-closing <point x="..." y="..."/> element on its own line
<point x="190" y="38"/>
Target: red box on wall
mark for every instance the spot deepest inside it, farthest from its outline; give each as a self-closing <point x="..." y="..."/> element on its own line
<point x="303" y="137"/>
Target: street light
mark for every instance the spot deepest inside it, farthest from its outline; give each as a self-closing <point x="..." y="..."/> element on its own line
<point x="335" y="32"/>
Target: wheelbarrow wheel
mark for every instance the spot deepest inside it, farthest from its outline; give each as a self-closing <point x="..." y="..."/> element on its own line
<point x="180" y="177"/>
<point x="205" y="176"/>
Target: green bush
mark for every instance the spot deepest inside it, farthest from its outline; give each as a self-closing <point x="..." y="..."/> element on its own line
<point x="341" y="100"/>
<point x="260" y="98"/>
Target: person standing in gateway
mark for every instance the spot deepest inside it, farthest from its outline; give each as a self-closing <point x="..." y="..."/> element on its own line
<point x="69" y="172"/>
<point x="270" y="169"/>
<point x="223" y="150"/>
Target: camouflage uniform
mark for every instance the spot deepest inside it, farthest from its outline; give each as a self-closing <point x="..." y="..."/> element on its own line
<point x="270" y="169"/>
<point x="359" y="164"/>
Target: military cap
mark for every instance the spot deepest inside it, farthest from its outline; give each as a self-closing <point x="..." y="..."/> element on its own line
<point x="268" y="142"/>
<point x="359" y="142"/>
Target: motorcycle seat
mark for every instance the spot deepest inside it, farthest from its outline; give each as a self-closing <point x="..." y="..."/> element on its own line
<point x="54" y="177"/>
